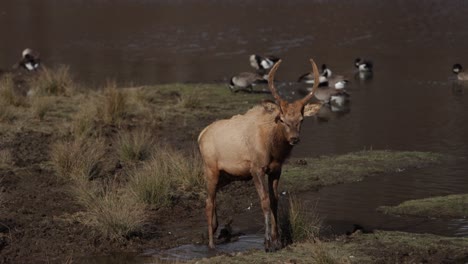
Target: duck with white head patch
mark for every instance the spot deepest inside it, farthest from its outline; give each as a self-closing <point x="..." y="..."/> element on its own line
<point x="261" y="63"/>
<point x="363" y="65"/>
<point x="30" y="60"/>
<point x="458" y="70"/>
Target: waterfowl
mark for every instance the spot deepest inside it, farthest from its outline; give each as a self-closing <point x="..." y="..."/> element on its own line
<point x="323" y="78"/>
<point x="331" y="95"/>
<point x="262" y="63"/>
<point x="461" y="76"/>
<point x="363" y="65"/>
<point x="30" y="60"/>
<point x="245" y="81"/>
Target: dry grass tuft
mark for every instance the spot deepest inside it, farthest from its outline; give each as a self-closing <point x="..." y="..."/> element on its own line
<point x="52" y="82"/>
<point x="7" y="113"/>
<point x="78" y="159"/>
<point x="8" y="96"/>
<point x="114" y="105"/>
<point x="304" y="226"/>
<point x="134" y="146"/>
<point x="41" y="105"/>
<point x="322" y="255"/>
<point x="83" y="122"/>
<point x="167" y="174"/>
<point x="115" y="211"/>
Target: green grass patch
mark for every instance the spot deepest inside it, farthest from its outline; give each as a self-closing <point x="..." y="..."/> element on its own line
<point x="451" y="206"/>
<point x="310" y="173"/>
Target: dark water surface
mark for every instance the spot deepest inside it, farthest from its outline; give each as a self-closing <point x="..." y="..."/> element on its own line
<point x="412" y="102"/>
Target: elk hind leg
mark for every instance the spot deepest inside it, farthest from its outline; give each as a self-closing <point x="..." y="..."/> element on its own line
<point x="212" y="177"/>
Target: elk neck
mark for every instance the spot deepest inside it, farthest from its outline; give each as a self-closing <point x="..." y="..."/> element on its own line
<point x="280" y="148"/>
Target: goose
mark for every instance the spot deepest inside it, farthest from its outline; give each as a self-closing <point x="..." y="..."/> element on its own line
<point x="30" y="60"/>
<point x="262" y="63"/>
<point x="323" y="78"/>
<point x="245" y="81"/>
<point x="331" y="95"/>
<point x="461" y="76"/>
<point x="363" y="65"/>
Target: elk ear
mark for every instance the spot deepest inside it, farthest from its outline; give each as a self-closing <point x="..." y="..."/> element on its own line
<point x="270" y="106"/>
<point x="311" y="109"/>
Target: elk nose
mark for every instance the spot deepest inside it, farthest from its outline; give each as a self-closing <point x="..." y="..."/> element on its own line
<point x="294" y="140"/>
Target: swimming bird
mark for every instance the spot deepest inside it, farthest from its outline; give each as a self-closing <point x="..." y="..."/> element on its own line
<point x="30" y="60"/>
<point x="323" y="78"/>
<point x="363" y="65"/>
<point x="261" y="63"/>
<point x="461" y="76"/>
<point x="245" y="81"/>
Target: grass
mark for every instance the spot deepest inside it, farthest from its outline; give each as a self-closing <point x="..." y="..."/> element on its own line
<point x="451" y="206"/>
<point x="377" y="247"/>
<point x="41" y="105"/>
<point x="78" y="158"/>
<point x="312" y="173"/>
<point x="169" y="173"/>
<point x="52" y="82"/>
<point x="8" y="96"/>
<point x="83" y="121"/>
<point x="113" y="108"/>
<point x="134" y="146"/>
<point x="190" y="100"/>
<point x="304" y="226"/>
<point x="115" y="212"/>
<point x="7" y="113"/>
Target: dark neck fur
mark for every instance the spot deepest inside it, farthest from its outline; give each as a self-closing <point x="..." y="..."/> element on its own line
<point x="281" y="149"/>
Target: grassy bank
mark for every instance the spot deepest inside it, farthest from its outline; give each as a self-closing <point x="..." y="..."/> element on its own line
<point x="450" y="206"/>
<point x="312" y="173"/>
<point x="378" y="247"/>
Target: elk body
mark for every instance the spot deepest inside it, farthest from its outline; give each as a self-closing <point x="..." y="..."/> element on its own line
<point x="254" y="145"/>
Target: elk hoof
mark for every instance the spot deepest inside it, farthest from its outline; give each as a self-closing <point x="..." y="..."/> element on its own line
<point x="272" y="246"/>
<point x="211" y="246"/>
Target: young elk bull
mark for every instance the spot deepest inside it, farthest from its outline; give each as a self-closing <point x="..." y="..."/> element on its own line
<point x="255" y="145"/>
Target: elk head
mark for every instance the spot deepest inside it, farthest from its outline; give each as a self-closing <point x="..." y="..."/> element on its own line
<point x="291" y="115"/>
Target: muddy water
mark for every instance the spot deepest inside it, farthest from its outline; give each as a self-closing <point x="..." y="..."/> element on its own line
<point x="412" y="102"/>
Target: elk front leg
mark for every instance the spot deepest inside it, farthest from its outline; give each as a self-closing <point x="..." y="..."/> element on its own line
<point x="212" y="178"/>
<point x="273" y="181"/>
<point x="258" y="177"/>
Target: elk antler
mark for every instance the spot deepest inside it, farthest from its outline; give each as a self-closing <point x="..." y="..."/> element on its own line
<point x="316" y="83"/>
<point x="271" y="85"/>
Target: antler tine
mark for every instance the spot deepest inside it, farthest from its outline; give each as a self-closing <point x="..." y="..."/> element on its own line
<point x="316" y="82"/>
<point x="271" y="78"/>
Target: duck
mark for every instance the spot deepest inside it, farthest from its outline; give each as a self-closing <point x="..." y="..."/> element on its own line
<point x="30" y="60"/>
<point x="323" y="78"/>
<point x="363" y="65"/>
<point x="245" y="81"/>
<point x="261" y="63"/>
<point x="457" y="69"/>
